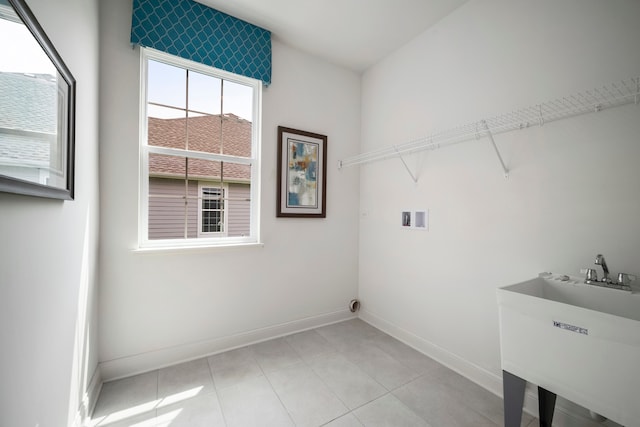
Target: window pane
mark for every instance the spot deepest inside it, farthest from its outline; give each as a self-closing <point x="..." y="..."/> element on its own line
<point x="167" y="166"/>
<point x="161" y="165"/>
<point x="234" y="172"/>
<point x="239" y="210"/>
<point x="173" y="208"/>
<point x="236" y="136"/>
<point x="165" y="132"/>
<point x="204" y="133"/>
<point x="174" y="205"/>
<point x="204" y="93"/>
<point x="238" y="100"/>
<point x="165" y="112"/>
<point x="205" y="170"/>
<point x="166" y="84"/>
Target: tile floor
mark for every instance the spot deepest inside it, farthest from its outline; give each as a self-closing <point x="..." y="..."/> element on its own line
<point x="346" y="374"/>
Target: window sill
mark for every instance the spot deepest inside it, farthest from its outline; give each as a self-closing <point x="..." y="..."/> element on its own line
<point x="182" y="249"/>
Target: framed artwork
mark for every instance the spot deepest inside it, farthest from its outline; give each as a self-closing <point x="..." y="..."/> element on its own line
<point x="37" y="109"/>
<point x="302" y="174"/>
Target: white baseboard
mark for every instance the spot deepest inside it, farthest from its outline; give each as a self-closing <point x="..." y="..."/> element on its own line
<point x="93" y="391"/>
<point x="83" y="414"/>
<point x="145" y="362"/>
<point x="78" y="420"/>
<point x="481" y="376"/>
<point x="475" y="373"/>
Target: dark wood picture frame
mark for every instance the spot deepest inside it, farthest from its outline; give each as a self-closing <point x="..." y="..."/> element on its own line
<point x="63" y="147"/>
<point x="302" y="174"/>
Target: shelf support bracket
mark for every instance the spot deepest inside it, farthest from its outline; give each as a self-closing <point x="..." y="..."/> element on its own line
<point x="495" y="147"/>
<point x="413" y="177"/>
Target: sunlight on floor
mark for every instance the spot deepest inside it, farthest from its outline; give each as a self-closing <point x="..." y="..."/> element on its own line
<point x="161" y="421"/>
<point x="178" y="397"/>
<point x="134" y="411"/>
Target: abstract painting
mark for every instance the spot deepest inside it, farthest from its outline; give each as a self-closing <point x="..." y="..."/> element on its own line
<point x="302" y="174"/>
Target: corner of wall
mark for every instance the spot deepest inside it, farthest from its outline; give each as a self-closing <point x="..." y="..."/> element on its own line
<point x="91" y="396"/>
<point x="145" y="362"/>
<point x="564" y="414"/>
<point x="475" y="373"/>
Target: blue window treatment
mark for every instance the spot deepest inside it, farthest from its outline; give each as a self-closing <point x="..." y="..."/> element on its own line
<point x="199" y="33"/>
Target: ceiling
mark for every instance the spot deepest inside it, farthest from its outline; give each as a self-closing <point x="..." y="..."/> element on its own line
<point x="352" y="33"/>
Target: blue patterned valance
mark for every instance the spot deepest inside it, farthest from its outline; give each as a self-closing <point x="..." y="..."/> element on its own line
<point x="193" y="31"/>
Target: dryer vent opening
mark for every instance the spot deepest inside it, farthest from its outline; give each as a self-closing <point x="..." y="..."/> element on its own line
<point x="354" y="305"/>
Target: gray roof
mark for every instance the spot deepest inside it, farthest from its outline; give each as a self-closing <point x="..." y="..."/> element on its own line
<point x="28" y="118"/>
<point x="23" y="150"/>
<point x="27" y="102"/>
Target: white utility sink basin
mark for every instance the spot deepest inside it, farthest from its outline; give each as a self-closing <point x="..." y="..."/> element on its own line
<point x="579" y="341"/>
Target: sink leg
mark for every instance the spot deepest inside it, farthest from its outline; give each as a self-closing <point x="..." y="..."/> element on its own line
<point x="546" y="405"/>
<point x="513" y="391"/>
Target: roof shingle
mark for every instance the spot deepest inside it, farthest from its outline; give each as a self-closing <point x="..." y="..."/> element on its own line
<point x="221" y="134"/>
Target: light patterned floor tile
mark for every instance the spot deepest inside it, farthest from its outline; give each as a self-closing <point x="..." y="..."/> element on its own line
<point x="388" y="411"/>
<point x="309" y="344"/>
<point x="202" y="411"/>
<point x="307" y="399"/>
<point x="253" y="403"/>
<point x="352" y="385"/>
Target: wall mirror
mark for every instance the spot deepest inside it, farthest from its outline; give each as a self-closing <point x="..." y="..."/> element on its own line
<point x="37" y="109"/>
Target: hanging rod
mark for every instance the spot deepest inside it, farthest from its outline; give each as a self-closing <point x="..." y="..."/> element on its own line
<point x="611" y="95"/>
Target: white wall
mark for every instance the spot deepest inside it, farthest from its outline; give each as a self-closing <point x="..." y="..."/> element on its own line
<point x="160" y="308"/>
<point x="49" y="255"/>
<point x="573" y="188"/>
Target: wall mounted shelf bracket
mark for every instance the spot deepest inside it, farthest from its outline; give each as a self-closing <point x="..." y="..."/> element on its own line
<point x="495" y="147"/>
<point x="413" y="177"/>
<point x="612" y="95"/>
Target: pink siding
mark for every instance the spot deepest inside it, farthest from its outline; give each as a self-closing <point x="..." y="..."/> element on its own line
<point x="239" y="210"/>
<point x="167" y="214"/>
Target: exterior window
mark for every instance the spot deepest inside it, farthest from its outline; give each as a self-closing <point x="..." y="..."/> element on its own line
<point x="199" y="154"/>
<point x="212" y="212"/>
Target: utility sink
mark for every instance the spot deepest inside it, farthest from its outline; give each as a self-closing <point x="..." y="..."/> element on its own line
<point x="579" y="341"/>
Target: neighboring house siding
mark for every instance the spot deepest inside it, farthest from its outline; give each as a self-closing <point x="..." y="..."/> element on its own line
<point x="227" y="134"/>
<point x="166" y="215"/>
<point x="239" y="210"/>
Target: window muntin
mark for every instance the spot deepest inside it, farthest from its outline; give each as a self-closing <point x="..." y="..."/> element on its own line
<point x="190" y="150"/>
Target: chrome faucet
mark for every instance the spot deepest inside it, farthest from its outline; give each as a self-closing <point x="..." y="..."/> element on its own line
<point x="602" y="263"/>
<point x="624" y="280"/>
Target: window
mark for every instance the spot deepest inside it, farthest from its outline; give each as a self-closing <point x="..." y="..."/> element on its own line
<point x="199" y="154"/>
<point x="212" y="211"/>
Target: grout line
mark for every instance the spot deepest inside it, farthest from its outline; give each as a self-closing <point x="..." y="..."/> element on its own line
<point x="264" y="374"/>
<point x="278" y="397"/>
<point x="332" y="349"/>
<point x="215" y="390"/>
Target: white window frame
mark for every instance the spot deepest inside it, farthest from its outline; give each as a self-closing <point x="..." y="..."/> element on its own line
<point x="225" y="209"/>
<point x="144" y="149"/>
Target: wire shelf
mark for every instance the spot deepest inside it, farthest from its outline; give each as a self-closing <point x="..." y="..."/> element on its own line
<point x="611" y="95"/>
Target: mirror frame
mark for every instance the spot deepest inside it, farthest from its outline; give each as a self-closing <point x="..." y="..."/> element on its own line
<point x="67" y="136"/>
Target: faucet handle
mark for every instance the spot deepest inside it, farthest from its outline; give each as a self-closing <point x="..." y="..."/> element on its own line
<point x="625" y="279"/>
<point x="592" y="275"/>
